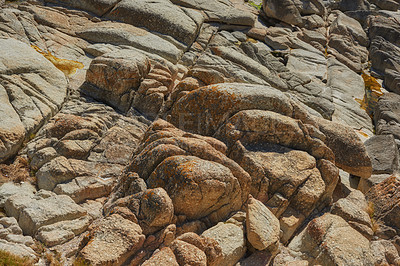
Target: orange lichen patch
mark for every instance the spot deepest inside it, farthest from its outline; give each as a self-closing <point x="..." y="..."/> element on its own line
<point x="372" y="93"/>
<point x="68" y="67"/>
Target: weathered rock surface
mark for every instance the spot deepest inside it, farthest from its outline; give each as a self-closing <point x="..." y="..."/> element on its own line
<point x="261" y="225"/>
<point x="112" y="241"/>
<point x="263" y="107"/>
<point x="325" y="238"/>
<point x="231" y="239"/>
<point x="32" y="90"/>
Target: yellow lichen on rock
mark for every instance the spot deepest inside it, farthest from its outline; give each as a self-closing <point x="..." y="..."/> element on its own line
<point x="68" y="67"/>
<point x="372" y="93"/>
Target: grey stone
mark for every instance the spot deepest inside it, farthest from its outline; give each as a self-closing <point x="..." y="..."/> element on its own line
<point x="9" y="189"/>
<point x="159" y="16"/>
<point x="384" y="154"/>
<point x="125" y="34"/>
<point x="48" y="211"/>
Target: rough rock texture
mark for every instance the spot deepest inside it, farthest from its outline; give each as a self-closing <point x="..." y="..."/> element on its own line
<point x="186" y="132"/>
<point x="261" y="225"/>
<point x="231" y="239"/>
<point x="324" y="238"/>
<point x="112" y="241"/>
<point x="31" y="91"/>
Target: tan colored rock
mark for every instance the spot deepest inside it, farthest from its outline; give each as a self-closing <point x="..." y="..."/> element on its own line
<point x="329" y="240"/>
<point x="188" y="254"/>
<point x="112" y="241"/>
<point x="115" y="76"/>
<point x="204" y="186"/>
<point x="231" y="239"/>
<point x="261" y="224"/>
<point x="350" y="152"/>
<point x="163" y="257"/>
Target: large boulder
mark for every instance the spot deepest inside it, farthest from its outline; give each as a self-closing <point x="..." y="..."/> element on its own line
<point x="291" y="12"/>
<point x="329" y="240"/>
<point x="194" y="170"/>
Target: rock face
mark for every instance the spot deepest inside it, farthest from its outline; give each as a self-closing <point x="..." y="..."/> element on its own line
<point x="186" y="132"/>
<point x="31" y="91"/>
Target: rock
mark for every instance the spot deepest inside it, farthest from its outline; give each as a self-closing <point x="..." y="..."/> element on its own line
<point x="291" y="11"/>
<point x="86" y="187"/>
<point x="171" y="20"/>
<point x="387" y="116"/>
<point x="346" y="87"/>
<point x="56" y="171"/>
<point x="9" y="189"/>
<point x="385" y="252"/>
<point x="188" y="254"/>
<point x="47" y="211"/>
<point x="32" y="90"/>
<point x="112" y="241"/>
<point x="350" y="152"/>
<point x="156" y="210"/>
<point x="115" y="76"/>
<point x="261" y="225"/>
<point x="384" y="154"/>
<point x="209" y="246"/>
<point x="387" y="4"/>
<point x="202" y="192"/>
<point x="194" y="109"/>
<point x="61" y="232"/>
<point x="231" y="239"/>
<point x="125" y="34"/>
<point x="259" y="258"/>
<point x="365" y="184"/>
<point x="385" y="200"/>
<point x="348" y="41"/>
<point x="163" y="257"/>
<point x="329" y="240"/>
<point x="98" y="7"/>
<point x="215" y="185"/>
<point x="17" y="249"/>
<point x="354" y="212"/>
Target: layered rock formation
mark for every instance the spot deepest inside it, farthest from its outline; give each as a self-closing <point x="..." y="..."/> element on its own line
<point x="180" y="132"/>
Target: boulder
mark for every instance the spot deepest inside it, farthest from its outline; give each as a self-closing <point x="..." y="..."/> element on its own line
<point x="210" y="184"/>
<point x="384" y="154"/>
<point x="124" y="34"/>
<point x="387" y="115"/>
<point x="165" y="256"/>
<point x="160" y="16"/>
<point x="98" y="7"/>
<point x="220" y="11"/>
<point x="329" y="240"/>
<point x="262" y="226"/>
<point x="231" y="239"/>
<point x="112" y="241"/>
<point x="188" y="254"/>
<point x="114" y="77"/>
<point x="48" y="210"/>
<point x="350" y="152"/>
